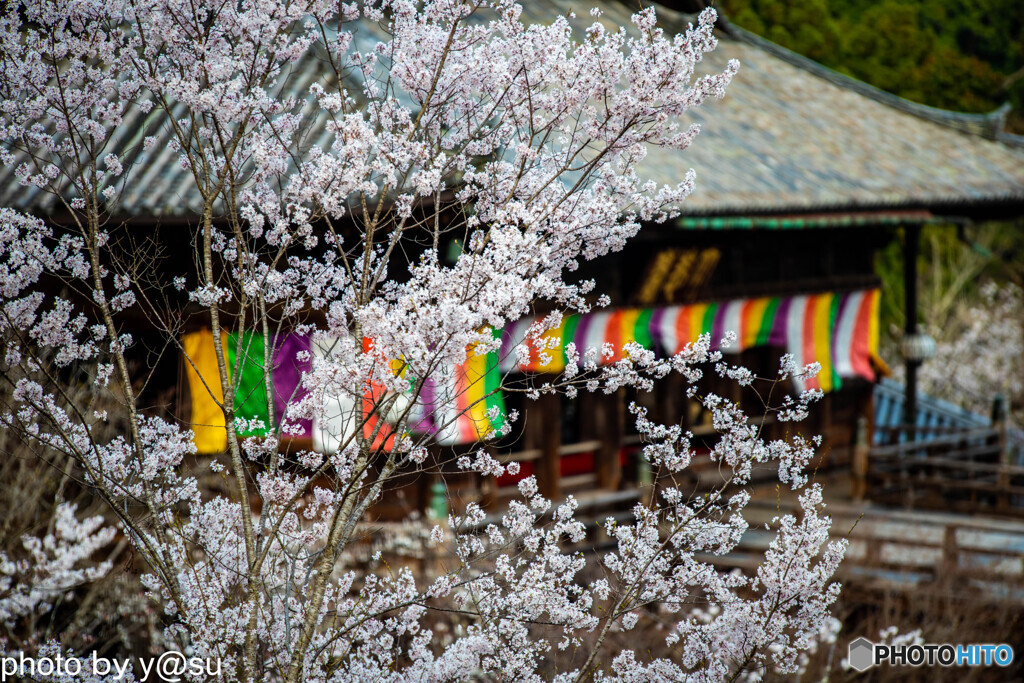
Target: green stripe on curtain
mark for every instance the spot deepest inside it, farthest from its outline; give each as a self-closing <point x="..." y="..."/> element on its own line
<point x="768" y="321"/>
<point x="642" y="329"/>
<point x="494" y="398"/>
<point x="250" y="386"/>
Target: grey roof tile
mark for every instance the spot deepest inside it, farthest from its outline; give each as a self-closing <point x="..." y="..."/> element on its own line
<point x="790" y="136"/>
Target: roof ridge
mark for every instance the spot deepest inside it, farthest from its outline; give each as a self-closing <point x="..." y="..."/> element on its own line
<point x="989" y="125"/>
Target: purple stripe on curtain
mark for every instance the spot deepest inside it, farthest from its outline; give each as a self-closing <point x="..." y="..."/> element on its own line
<point x="654" y="328"/>
<point x="579" y="337"/>
<point x="718" y="325"/>
<point x="778" y="336"/>
<point x="506" y="338"/>
<point x="287" y="376"/>
<point x="426" y="412"/>
<point x="507" y="352"/>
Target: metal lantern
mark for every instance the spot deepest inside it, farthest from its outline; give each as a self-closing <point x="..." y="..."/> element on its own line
<point x="917" y="347"/>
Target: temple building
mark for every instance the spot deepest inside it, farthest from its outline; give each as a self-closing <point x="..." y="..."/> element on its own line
<point x="802" y="175"/>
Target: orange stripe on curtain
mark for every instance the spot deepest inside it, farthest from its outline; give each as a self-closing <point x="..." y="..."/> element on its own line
<point x="860" y="348"/>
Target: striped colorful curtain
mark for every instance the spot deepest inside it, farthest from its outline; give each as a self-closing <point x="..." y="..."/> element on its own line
<point x="838" y="331"/>
<point x="293" y="354"/>
<point x="345" y="414"/>
<point x="464" y="404"/>
<point x="245" y="362"/>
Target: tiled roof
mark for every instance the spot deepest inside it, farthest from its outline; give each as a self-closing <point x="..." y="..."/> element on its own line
<point x="790" y="137"/>
<point x="793" y="136"/>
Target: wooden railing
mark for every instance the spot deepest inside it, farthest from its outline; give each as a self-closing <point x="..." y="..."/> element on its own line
<point x="945" y="468"/>
<point x="909" y="550"/>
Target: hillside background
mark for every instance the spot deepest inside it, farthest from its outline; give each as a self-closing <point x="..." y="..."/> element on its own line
<point x="954" y="54"/>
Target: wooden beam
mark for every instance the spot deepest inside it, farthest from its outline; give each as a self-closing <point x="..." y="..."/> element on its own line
<point x="548" y="467"/>
<point x="911" y="247"/>
<point x="608" y="422"/>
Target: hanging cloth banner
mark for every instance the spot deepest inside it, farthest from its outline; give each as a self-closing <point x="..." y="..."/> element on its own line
<point x="293" y="357"/>
<point x="346" y="414"/>
<point x="207" y="418"/>
<point x="245" y="363"/>
<point x="464" y="404"/>
<point x="837" y="331"/>
<point x="245" y="359"/>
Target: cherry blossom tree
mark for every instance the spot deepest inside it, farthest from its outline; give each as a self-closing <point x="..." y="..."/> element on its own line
<point x="988" y="332"/>
<point x="326" y="209"/>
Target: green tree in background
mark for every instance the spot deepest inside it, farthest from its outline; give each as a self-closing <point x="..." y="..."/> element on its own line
<point x="953" y="54"/>
<point x="953" y="267"/>
<point x="969" y="299"/>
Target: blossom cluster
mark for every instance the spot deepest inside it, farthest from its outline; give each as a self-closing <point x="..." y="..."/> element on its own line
<point x="978" y="355"/>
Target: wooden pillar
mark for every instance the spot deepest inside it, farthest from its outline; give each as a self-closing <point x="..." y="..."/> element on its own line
<point x="549" y="471"/>
<point x="868" y="410"/>
<point x="426" y="475"/>
<point x="911" y="247"/>
<point x="1003" y="458"/>
<point x="609" y="419"/>
<point x="672" y="399"/>
<point x="825" y="428"/>
<point x="950" y="553"/>
<point x="859" y="466"/>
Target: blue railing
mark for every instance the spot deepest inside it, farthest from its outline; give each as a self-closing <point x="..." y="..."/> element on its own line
<point x="931" y="411"/>
<point x="933" y="416"/>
